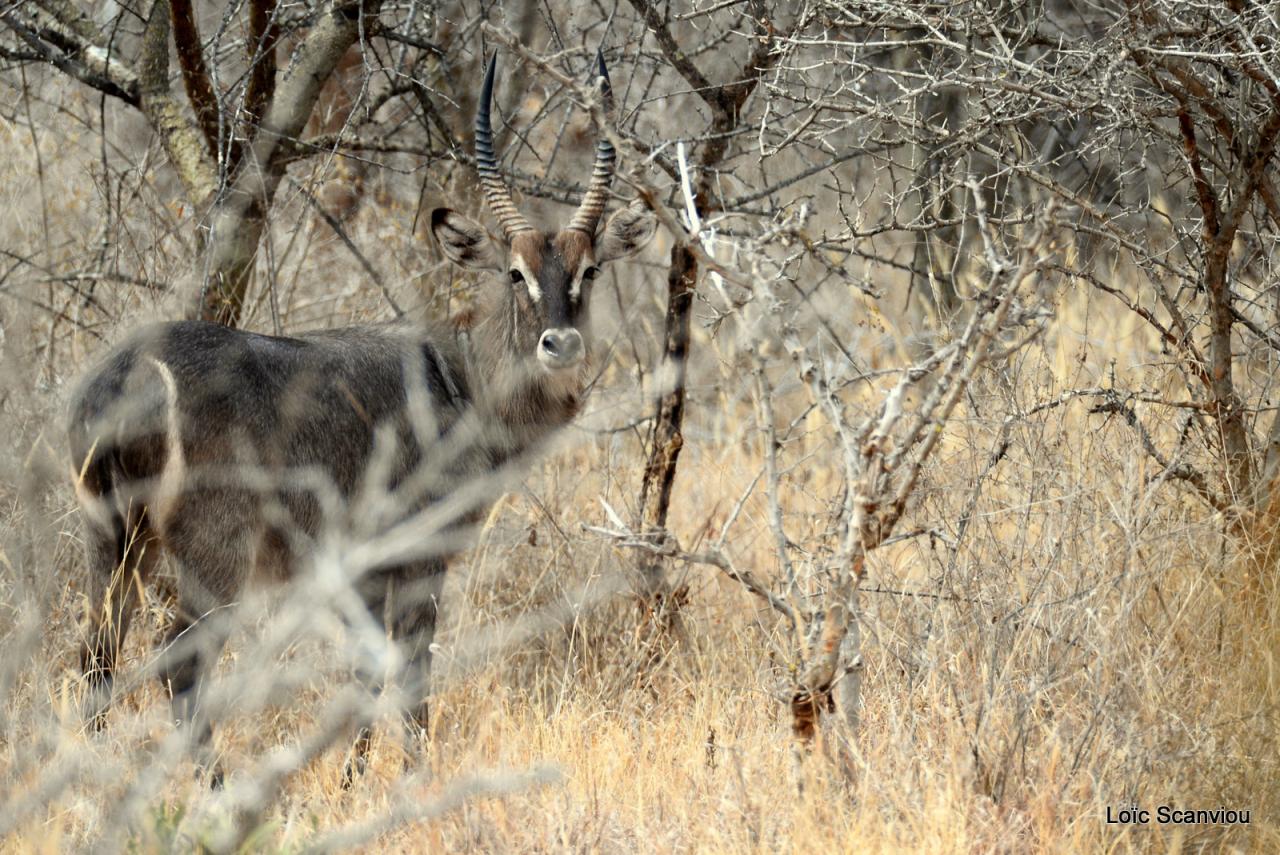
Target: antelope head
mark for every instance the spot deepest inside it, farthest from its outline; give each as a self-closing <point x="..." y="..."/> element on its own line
<point x="547" y="275"/>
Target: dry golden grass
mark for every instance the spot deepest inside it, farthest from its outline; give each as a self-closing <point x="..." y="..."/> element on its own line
<point x="1093" y="641"/>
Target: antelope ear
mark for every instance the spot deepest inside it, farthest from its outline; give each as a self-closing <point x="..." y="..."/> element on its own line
<point x="465" y="243"/>
<point x="626" y="233"/>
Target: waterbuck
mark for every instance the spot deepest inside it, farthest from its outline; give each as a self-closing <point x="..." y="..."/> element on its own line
<point x="188" y="437"/>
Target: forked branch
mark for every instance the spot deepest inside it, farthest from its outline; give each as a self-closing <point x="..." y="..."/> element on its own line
<point x="187" y="150"/>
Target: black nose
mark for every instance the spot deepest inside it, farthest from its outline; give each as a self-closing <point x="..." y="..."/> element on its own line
<point x="561" y="347"/>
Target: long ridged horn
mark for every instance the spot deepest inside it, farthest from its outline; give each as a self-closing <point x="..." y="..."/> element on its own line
<point x="495" y="190"/>
<point x="588" y="213"/>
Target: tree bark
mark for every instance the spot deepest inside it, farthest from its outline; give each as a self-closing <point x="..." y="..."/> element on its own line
<point x="238" y="216"/>
<point x="1227" y="406"/>
<point x="665" y="437"/>
<point x="195" y="77"/>
<point x="181" y="140"/>
<point x="725" y="102"/>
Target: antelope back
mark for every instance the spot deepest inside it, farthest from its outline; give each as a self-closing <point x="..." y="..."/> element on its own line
<point x="176" y="407"/>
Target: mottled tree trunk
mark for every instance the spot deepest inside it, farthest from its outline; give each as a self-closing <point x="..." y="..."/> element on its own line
<point x="726" y="102"/>
<point x="665" y="437"/>
<point x="234" y="186"/>
<point x="238" y="215"/>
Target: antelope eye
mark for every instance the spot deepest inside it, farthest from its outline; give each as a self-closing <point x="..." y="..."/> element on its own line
<point x="590" y="273"/>
<point x="516" y="277"/>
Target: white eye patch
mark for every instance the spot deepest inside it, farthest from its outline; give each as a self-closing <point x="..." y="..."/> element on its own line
<point x="575" y="288"/>
<point x="530" y="281"/>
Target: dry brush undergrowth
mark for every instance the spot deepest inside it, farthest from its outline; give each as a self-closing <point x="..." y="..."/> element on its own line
<point x="1063" y="634"/>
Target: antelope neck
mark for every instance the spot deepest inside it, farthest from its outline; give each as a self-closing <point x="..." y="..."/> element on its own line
<point x="517" y="402"/>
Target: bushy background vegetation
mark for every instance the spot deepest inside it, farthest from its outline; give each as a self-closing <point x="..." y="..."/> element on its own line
<point x="1076" y="606"/>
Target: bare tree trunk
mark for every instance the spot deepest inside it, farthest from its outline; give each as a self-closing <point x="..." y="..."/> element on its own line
<point x="725" y="102"/>
<point x="187" y="151"/>
<point x="882" y="470"/>
<point x="239" y="214"/>
<point x="665" y="437"/>
<point x="848" y="687"/>
<point x="1223" y="207"/>
<point x="1227" y="406"/>
<point x="231" y="183"/>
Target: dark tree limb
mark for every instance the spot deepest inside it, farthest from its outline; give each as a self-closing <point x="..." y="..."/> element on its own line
<point x="666" y="437"/>
<point x="1254" y="149"/>
<point x="1204" y="189"/>
<point x="679" y="60"/>
<point x="195" y="76"/>
<point x="264" y="34"/>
